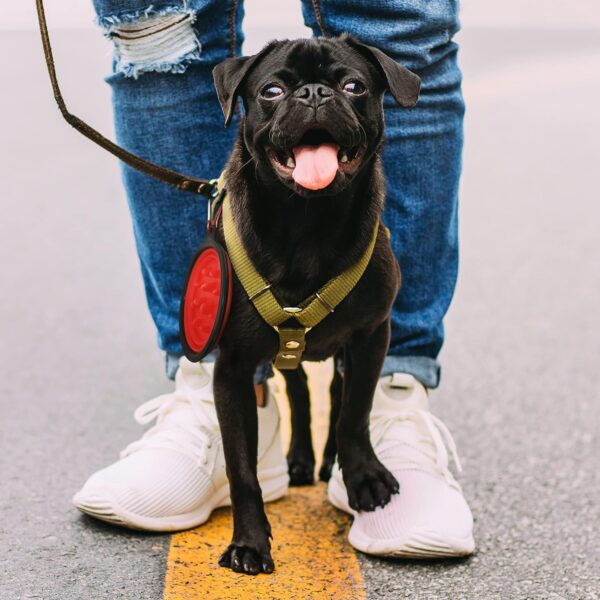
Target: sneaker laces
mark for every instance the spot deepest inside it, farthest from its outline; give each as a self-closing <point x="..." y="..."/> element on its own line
<point x="423" y="432"/>
<point x="185" y="422"/>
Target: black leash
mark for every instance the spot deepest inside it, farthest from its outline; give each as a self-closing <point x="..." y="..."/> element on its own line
<point x="181" y="182"/>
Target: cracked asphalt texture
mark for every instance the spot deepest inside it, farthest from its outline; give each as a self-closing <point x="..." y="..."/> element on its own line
<point x="520" y="388"/>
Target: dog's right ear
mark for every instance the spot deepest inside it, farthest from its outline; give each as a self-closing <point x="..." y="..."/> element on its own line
<point x="229" y="75"/>
<point x="404" y="85"/>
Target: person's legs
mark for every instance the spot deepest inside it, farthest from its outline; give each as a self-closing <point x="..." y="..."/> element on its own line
<point x="422" y="162"/>
<point x="166" y="111"/>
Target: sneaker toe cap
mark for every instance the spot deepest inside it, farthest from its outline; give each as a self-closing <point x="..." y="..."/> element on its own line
<point x="427" y="518"/>
<point x="144" y="486"/>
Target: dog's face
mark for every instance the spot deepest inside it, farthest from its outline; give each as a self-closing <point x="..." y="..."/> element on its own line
<point x="313" y="108"/>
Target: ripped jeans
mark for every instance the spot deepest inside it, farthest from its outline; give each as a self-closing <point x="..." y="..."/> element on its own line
<point x="166" y="110"/>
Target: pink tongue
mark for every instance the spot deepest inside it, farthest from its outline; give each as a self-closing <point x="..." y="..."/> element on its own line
<point x="316" y="166"/>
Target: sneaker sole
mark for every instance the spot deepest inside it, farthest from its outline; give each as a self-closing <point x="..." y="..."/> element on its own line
<point x="415" y="544"/>
<point x="273" y="483"/>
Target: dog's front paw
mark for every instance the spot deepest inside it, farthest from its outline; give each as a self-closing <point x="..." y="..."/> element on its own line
<point x="246" y="559"/>
<point x="370" y="486"/>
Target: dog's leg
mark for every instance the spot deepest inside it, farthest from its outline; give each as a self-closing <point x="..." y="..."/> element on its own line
<point x="300" y="457"/>
<point x="250" y="548"/>
<point x="335" y="393"/>
<point x="368" y="482"/>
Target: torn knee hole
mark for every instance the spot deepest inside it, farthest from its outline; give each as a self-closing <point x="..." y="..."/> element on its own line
<point x="163" y="43"/>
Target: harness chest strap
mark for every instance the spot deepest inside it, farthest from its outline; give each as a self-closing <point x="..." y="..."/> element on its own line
<point x="309" y="313"/>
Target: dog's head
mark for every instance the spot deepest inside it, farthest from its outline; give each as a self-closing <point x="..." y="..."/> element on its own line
<point x="313" y="108"/>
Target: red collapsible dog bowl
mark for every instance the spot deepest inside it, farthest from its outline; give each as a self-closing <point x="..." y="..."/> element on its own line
<point x="206" y="300"/>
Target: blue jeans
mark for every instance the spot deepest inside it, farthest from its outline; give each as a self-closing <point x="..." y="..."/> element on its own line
<point x="166" y="110"/>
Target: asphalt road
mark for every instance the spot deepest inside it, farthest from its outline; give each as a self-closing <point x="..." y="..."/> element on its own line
<point x="520" y="389"/>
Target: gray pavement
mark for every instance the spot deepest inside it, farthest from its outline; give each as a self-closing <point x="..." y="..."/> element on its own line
<point x="520" y="390"/>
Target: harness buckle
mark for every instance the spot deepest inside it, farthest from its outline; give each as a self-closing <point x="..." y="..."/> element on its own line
<point x="259" y="292"/>
<point x="324" y="302"/>
<point x="291" y="347"/>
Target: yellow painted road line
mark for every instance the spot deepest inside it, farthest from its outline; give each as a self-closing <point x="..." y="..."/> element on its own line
<point x="313" y="559"/>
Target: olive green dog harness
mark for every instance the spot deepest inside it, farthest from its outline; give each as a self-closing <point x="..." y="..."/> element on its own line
<point x="309" y="313"/>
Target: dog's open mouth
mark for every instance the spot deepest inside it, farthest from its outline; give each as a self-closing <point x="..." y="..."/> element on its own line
<point x="314" y="162"/>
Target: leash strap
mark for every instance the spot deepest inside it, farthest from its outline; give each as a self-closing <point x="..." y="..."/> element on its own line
<point x="181" y="182"/>
<point x="309" y="313"/>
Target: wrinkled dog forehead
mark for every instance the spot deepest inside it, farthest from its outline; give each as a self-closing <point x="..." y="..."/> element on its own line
<point x="295" y="62"/>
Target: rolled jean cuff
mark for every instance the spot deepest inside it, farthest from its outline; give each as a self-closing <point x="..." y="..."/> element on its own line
<point x="423" y="368"/>
<point x="262" y="373"/>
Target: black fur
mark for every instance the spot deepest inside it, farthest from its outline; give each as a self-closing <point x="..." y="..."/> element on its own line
<point x="298" y="239"/>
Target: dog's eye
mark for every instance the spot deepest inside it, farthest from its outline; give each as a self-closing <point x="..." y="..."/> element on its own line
<point x="271" y="91"/>
<point x="354" y="87"/>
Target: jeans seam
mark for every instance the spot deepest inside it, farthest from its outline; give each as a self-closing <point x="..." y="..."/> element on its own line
<point x="232" y="16"/>
<point x="319" y="17"/>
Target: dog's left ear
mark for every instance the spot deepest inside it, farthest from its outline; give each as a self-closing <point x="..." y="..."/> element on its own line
<point x="403" y="84"/>
<point x="229" y="75"/>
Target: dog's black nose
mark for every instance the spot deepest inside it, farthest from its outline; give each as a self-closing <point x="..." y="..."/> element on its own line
<point x="314" y="94"/>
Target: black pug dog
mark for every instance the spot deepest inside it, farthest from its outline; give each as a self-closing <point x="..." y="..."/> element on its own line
<point x="306" y="189"/>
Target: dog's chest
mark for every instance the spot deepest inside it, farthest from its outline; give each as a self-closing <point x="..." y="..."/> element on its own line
<point x="294" y="274"/>
<point x="365" y="307"/>
<point x="299" y="272"/>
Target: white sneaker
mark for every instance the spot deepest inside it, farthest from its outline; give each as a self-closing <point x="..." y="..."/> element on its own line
<point x="429" y="517"/>
<point x="174" y="476"/>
